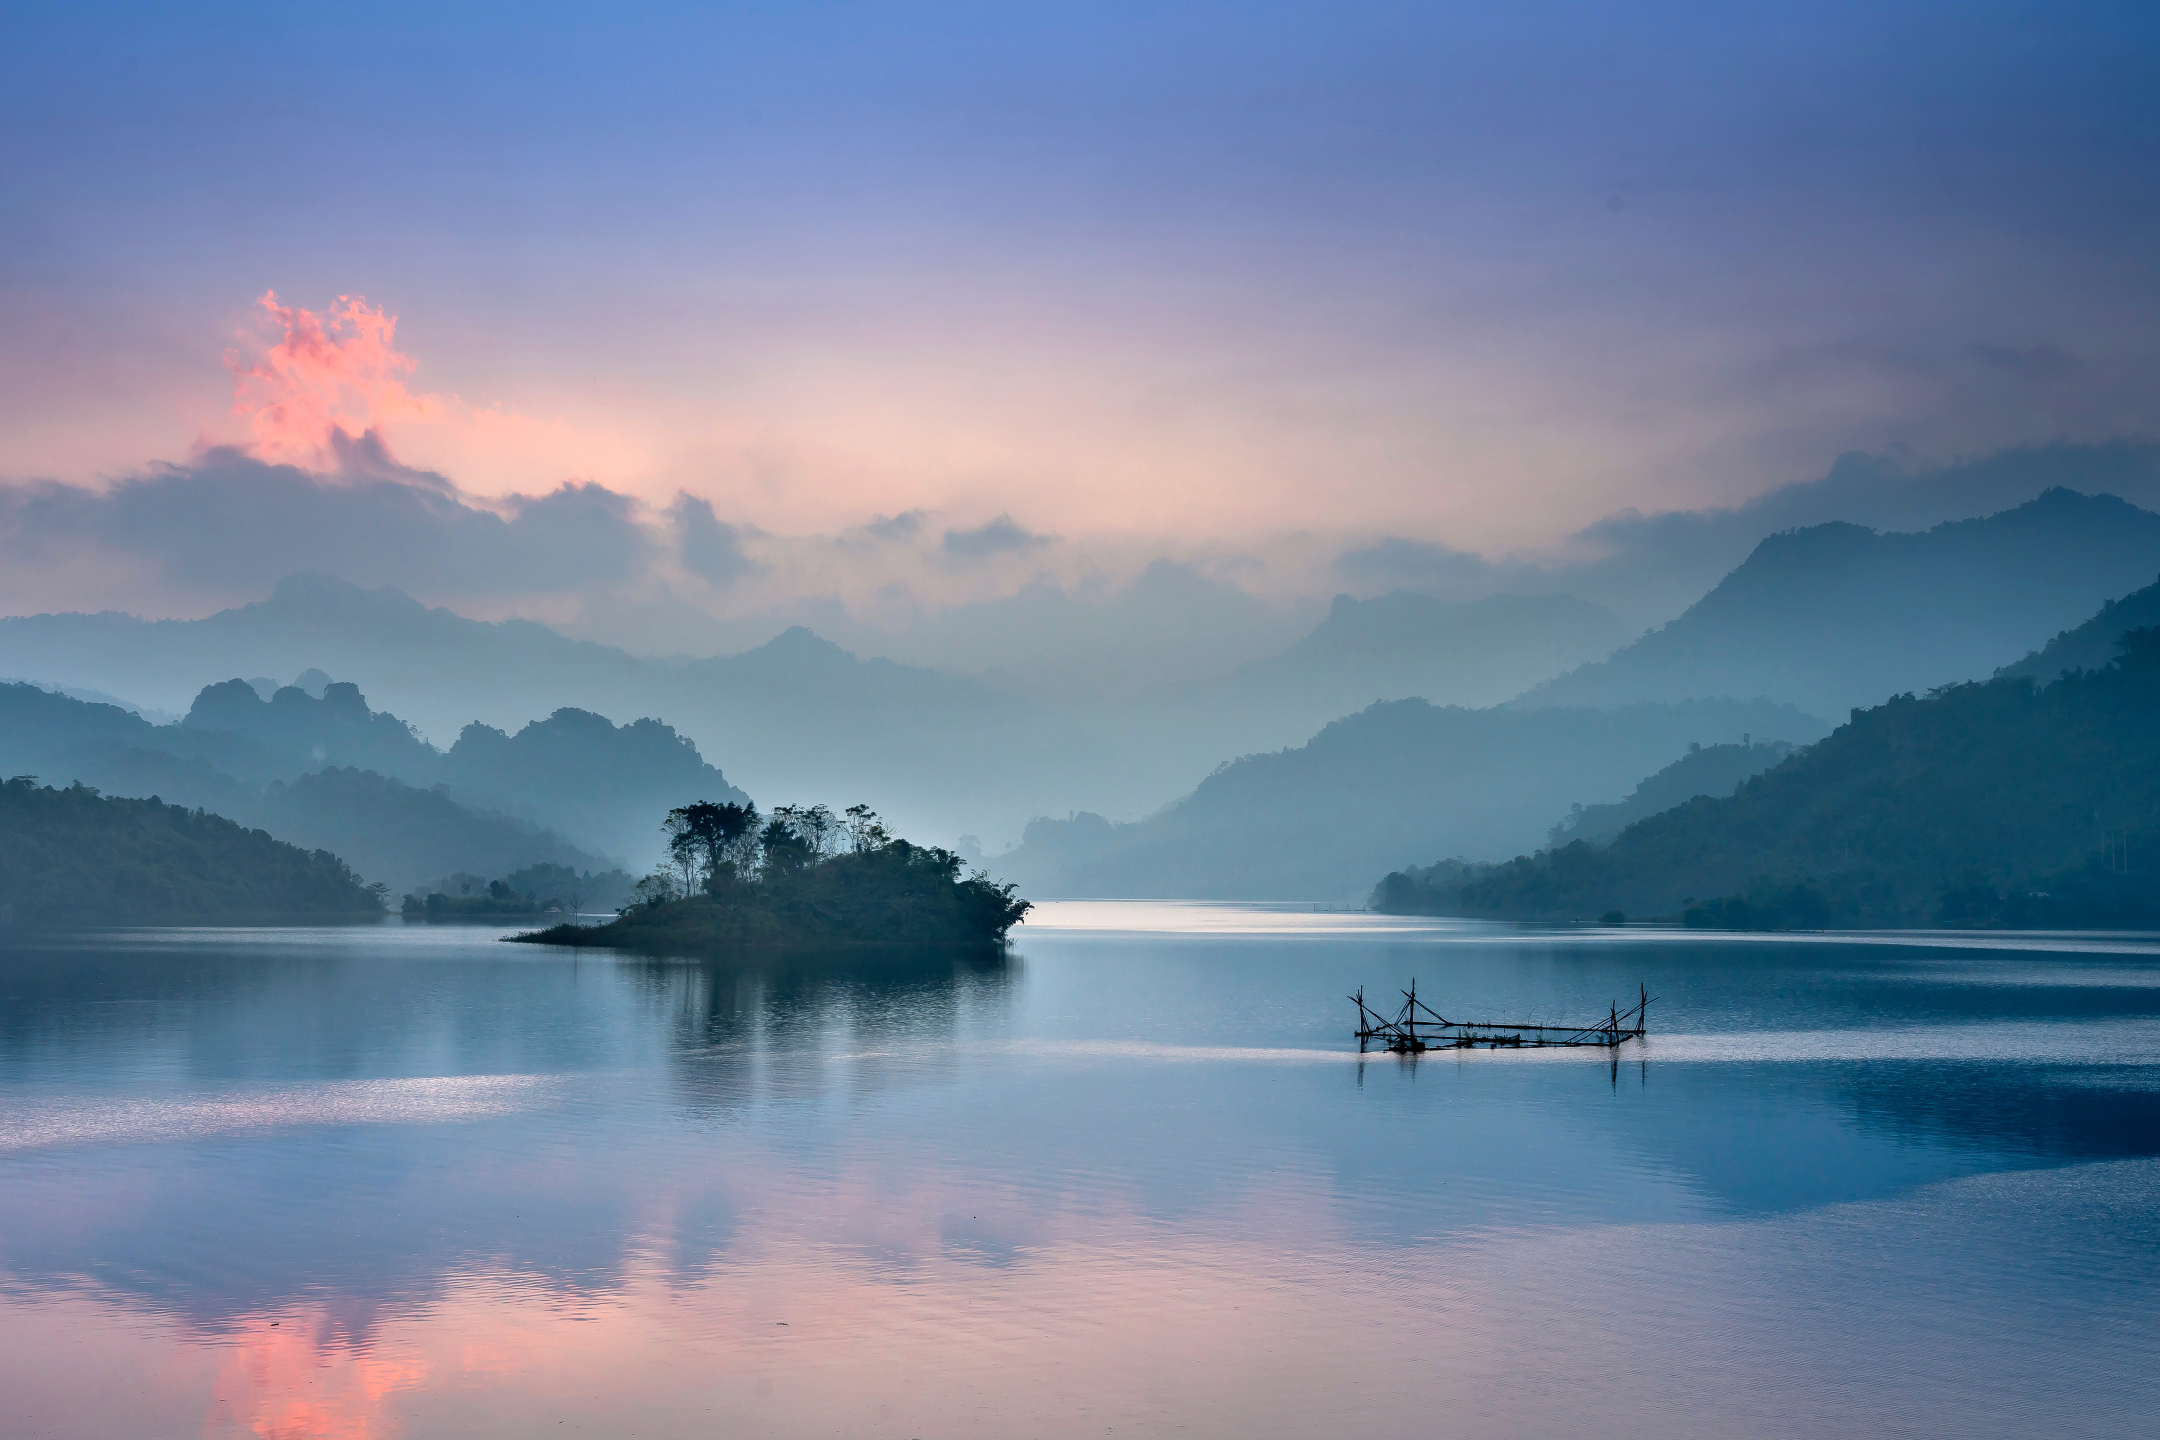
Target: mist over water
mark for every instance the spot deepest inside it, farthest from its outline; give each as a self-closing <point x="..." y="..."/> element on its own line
<point x="400" y="1181"/>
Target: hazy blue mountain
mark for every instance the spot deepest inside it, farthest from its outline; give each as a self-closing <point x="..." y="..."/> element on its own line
<point x="796" y="716"/>
<point x="577" y="772"/>
<point x="389" y="831"/>
<point x="2094" y="643"/>
<point x="574" y="772"/>
<point x="336" y="729"/>
<point x="1837" y="616"/>
<point x="403" y="835"/>
<point x="1704" y="770"/>
<point x="1406" y="645"/>
<point x="1404" y="778"/>
<point x="1997" y="802"/>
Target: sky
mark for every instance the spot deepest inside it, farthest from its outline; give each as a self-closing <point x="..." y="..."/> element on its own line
<point x="665" y="323"/>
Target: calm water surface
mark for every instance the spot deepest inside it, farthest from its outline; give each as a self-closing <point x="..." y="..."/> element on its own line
<point x="1135" y="1181"/>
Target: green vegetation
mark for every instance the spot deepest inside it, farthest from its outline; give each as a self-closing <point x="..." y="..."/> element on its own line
<point x="800" y="877"/>
<point x="1985" y="804"/>
<point x="74" y="856"/>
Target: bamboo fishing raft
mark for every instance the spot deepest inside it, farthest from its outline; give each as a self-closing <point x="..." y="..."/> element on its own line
<point x="1401" y="1035"/>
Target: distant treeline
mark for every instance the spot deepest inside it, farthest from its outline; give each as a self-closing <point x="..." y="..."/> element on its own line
<point x="73" y="856"/>
<point x="534" y="890"/>
<point x="800" y="876"/>
<point x="1994" y="803"/>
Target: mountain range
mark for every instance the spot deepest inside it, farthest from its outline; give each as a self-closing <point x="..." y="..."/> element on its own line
<point x="801" y="718"/>
<point x="329" y="773"/>
<point x="1402" y="779"/>
<point x="1836" y="616"/>
<point x="1814" y="622"/>
<point x="1992" y="803"/>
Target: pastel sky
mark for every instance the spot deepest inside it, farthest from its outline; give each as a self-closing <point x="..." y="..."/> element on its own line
<point x="1200" y="280"/>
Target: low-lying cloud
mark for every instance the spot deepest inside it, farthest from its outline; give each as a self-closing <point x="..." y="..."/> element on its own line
<point x="710" y="548"/>
<point x="1002" y="536"/>
<point x="232" y="523"/>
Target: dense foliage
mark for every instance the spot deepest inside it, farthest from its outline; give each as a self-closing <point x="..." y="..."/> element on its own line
<point x="800" y="877"/>
<point x="75" y="857"/>
<point x="1996" y="803"/>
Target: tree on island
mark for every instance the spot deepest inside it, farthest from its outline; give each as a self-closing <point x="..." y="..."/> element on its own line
<point x="800" y="875"/>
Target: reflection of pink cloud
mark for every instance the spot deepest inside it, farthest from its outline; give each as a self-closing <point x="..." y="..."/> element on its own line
<point x="280" y="1383"/>
<point x="330" y="375"/>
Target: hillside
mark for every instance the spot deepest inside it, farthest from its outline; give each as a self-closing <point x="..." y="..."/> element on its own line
<point x="1837" y="616"/>
<point x="583" y="775"/>
<point x="574" y="772"/>
<point x="1990" y="802"/>
<point x="2094" y="643"/>
<point x="1704" y="770"/>
<point x="1402" y="779"/>
<point x="71" y="856"/>
<point x="389" y="831"/>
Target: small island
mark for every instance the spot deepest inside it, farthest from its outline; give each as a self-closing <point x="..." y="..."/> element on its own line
<point x="799" y="877"/>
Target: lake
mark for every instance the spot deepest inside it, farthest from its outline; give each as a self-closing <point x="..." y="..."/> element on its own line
<point x="1135" y="1180"/>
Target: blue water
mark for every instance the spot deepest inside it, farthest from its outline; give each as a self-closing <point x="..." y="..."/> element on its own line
<point x="1136" y="1179"/>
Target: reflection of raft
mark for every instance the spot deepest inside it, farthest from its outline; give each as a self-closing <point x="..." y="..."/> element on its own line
<point x="1401" y="1034"/>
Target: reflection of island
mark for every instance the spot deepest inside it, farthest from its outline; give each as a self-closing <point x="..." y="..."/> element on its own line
<point x="801" y="877"/>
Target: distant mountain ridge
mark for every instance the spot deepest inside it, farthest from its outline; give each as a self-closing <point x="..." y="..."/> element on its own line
<point x="2093" y="644"/>
<point x="1837" y="616"/>
<point x="1997" y="802"/>
<point x="1405" y="645"/>
<point x="1704" y="770"/>
<point x="1402" y="778"/>
<point x="575" y="771"/>
<point x="389" y="830"/>
<point x="800" y="715"/>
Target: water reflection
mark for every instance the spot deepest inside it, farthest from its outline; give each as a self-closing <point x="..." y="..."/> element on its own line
<point x="785" y="1027"/>
<point x="352" y="1183"/>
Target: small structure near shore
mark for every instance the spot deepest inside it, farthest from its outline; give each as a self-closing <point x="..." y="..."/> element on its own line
<point x="1401" y="1035"/>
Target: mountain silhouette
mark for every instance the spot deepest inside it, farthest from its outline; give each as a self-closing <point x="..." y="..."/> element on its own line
<point x="1402" y="778"/>
<point x="1837" y="616"/>
<point x="2093" y="644"/>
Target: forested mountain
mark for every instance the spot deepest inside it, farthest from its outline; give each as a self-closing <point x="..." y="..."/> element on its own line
<point x="2094" y="643"/>
<point x="1399" y="779"/>
<point x="71" y="856"/>
<point x="1704" y="770"/>
<point x="1837" y="616"/>
<point x="575" y="772"/>
<point x="390" y="831"/>
<point x="1988" y="802"/>
<point x="336" y="729"/>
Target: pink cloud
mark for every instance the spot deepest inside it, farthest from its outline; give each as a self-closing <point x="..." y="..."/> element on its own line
<point x="335" y="385"/>
<point x="331" y="376"/>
